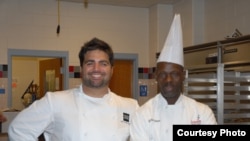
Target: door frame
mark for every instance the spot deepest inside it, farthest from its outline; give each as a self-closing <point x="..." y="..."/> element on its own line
<point x="65" y="57"/>
<point x="36" y="53"/>
<point x="134" y="58"/>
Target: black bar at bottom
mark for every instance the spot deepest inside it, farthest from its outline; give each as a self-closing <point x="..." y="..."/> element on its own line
<point x="211" y="132"/>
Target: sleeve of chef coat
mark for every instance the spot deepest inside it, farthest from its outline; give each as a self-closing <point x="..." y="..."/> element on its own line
<point x="207" y="115"/>
<point x="31" y="121"/>
<point x="139" y="127"/>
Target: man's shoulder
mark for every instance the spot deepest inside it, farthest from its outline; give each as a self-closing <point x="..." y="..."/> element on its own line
<point x="193" y="102"/>
<point x="61" y="93"/>
<point x="125" y="100"/>
<point x="150" y="105"/>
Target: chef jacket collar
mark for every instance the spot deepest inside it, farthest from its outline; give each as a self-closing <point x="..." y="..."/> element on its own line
<point x="163" y="102"/>
<point x="105" y="98"/>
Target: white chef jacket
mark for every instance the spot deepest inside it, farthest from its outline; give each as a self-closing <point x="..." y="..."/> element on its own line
<point x="154" y="120"/>
<point x="71" y="115"/>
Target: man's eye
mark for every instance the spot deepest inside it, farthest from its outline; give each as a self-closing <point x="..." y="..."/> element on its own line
<point x="104" y="63"/>
<point x="89" y="63"/>
<point x="175" y="74"/>
<point x="161" y="75"/>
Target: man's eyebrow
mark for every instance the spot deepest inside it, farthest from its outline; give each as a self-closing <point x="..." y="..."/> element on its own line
<point x="101" y="61"/>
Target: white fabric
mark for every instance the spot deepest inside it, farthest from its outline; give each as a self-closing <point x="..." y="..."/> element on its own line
<point x="172" y="50"/>
<point x="73" y="116"/>
<point x="153" y="121"/>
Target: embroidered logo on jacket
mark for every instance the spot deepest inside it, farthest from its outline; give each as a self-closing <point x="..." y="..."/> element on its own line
<point x="197" y="121"/>
<point x="126" y="117"/>
<point x="153" y="120"/>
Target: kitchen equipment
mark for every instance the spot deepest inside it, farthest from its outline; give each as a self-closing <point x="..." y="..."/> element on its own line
<point x="218" y="74"/>
<point x="30" y="95"/>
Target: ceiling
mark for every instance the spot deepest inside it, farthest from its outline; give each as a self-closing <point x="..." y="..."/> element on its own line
<point x="129" y="3"/>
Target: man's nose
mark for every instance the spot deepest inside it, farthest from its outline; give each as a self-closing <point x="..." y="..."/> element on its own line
<point x="168" y="78"/>
<point x="96" y="66"/>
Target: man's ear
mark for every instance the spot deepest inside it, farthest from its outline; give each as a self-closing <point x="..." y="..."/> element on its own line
<point x="184" y="74"/>
<point x="155" y="74"/>
<point x="112" y="70"/>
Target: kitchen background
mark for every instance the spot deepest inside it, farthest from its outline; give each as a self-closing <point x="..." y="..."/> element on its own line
<point x="31" y="25"/>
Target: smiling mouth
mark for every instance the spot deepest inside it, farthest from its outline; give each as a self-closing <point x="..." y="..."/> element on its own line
<point x="96" y="76"/>
<point x="169" y="88"/>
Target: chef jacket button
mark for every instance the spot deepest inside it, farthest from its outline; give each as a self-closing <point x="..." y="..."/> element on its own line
<point x="85" y="134"/>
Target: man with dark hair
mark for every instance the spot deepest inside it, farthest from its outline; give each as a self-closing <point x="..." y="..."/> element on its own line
<point x="91" y="112"/>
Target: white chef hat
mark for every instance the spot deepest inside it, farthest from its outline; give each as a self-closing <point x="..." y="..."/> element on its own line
<point x="172" y="50"/>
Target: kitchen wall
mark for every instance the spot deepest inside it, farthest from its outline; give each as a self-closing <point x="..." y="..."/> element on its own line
<point x="31" y="24"/>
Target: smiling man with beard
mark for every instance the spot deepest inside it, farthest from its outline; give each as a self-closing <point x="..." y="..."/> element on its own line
<point x="90" y="112"/>
<point x="154" y="120"/>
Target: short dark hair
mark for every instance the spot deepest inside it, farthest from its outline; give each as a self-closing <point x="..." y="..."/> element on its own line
<point x="96" y="44"/>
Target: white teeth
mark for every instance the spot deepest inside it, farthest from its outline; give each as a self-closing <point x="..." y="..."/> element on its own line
<point x="96" y="75"/>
